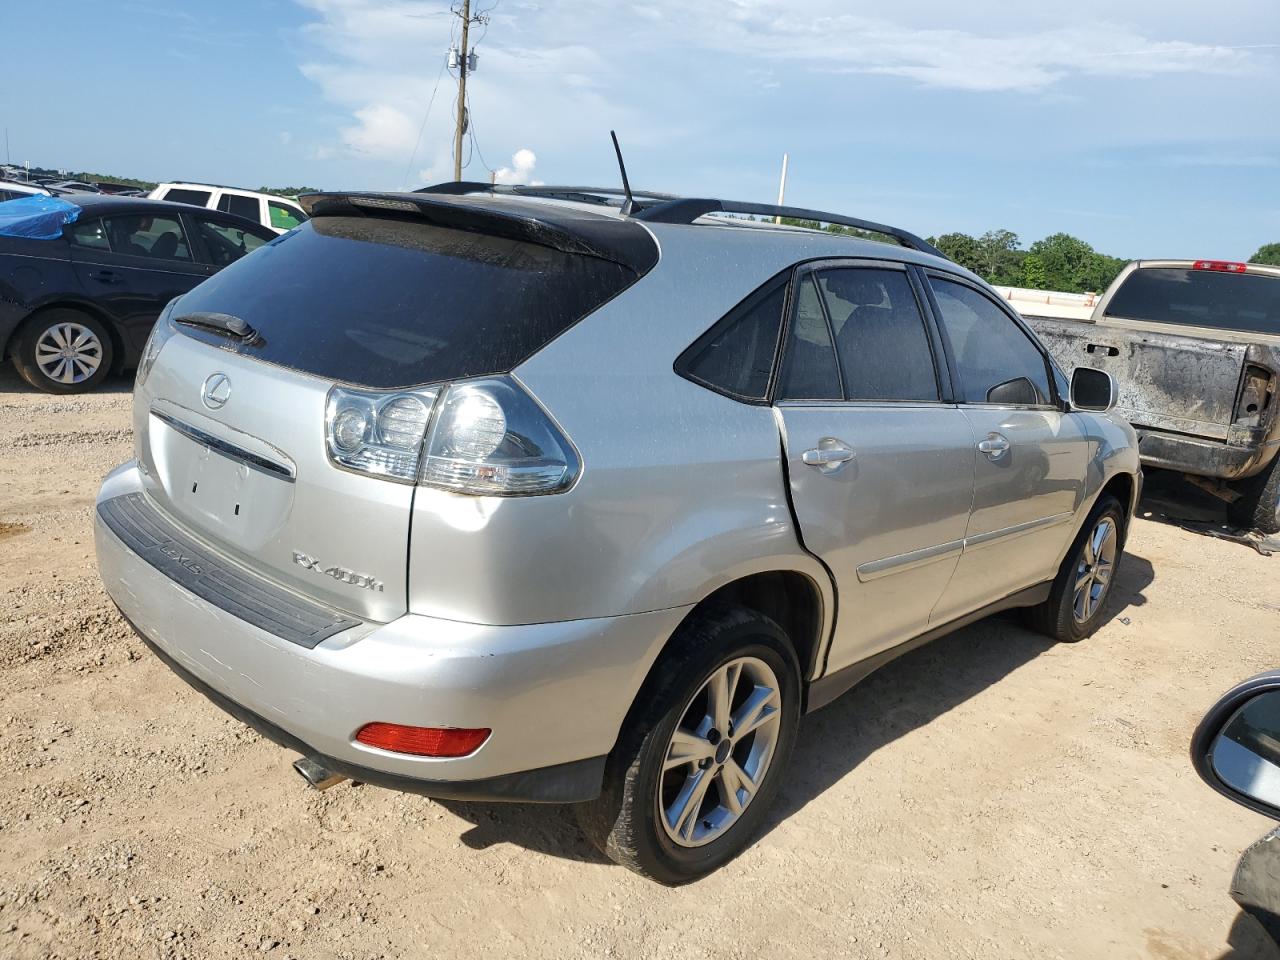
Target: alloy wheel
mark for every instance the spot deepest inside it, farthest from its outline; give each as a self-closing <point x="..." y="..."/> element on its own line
<point x="1094" y="569"/>
<point x="720" y="752"/>
<point x="68" y="353"/>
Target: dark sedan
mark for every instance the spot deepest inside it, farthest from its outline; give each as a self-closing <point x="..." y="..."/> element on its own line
<point x="75" y="308"/>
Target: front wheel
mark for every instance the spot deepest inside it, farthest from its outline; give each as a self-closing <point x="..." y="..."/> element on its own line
<point x="703" y="752"/>
<point x="1078" y="598"/>
<point x="1259" y="505"/>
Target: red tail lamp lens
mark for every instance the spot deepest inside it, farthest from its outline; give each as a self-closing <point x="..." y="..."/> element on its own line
<point x="1221" y="266"/>
<point x="422" y="741"/>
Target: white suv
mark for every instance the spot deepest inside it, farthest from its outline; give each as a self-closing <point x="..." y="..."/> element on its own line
<point x="278" y="213"/>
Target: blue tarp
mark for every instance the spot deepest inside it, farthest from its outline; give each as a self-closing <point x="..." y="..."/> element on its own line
<point x="36" y="217"/>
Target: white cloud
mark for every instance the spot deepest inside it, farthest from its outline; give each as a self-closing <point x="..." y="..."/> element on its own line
<point x="381" y="130"/>
<point x="824" y="38"/>
<point x="521" y="170"/>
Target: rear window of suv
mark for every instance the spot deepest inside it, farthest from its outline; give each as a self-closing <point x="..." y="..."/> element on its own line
<point x="389" y="303"/>
<point x="1200" y="298"/>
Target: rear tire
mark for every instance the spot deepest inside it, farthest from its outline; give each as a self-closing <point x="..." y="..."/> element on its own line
<point x="64" y="351"/>
<point x="675" y="820"/>
<point x="1078" y="599"/>
<point x="1259" y="505"/>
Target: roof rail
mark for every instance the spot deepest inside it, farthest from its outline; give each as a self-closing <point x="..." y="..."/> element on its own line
<point x="689" y="209"/>
<point x="599" y="195"/>
<point x="670" y="208"/>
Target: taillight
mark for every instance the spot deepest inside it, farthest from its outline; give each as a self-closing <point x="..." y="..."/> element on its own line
<point x="160" y="335"/>
<point x="482" y="437"/>
<point x="490" y="438"/>
<point x="377" y="432"/>
<point x="1221" y="266"/>
<point x="1256" y="394"/>
<point x="422" y="741"/>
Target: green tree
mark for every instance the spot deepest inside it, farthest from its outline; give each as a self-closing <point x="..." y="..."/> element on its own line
<point x="1033" y="275"/>
<point x="1268" y="253"/>
<point x="288" y="191"/>
<point x="1072" y="265"/>
<point x="1000" y="256"/>
<point x="960" y="248"/>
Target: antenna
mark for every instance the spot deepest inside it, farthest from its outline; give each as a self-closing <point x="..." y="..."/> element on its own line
<point x="630" y="203"/>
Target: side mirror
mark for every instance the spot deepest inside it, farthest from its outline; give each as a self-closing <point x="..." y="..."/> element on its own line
<point x="1236" y="748"/>
<point x="1014" y="393"/>
<point x="1093" y="390"/>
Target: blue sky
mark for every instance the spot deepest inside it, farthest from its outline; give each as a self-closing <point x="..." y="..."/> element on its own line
<point x="1146" y="127"/>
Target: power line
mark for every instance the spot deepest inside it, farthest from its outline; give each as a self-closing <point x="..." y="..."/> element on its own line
<point x="404" y="181"/>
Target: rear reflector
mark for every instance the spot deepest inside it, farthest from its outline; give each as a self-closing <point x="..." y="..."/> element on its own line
<point x="422" y="741"/>
<point x="1222" y="266"/>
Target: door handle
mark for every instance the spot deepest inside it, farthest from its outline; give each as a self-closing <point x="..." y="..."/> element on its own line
<point x="104" y="276"/>
<point x="828" y="456"/>
<point x="995" y="446"/>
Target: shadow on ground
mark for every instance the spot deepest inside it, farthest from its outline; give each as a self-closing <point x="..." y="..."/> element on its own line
<point x="900" y="697"/>
<point x="1248" y="941"/>
<point x="1170" y="498"/>
<point x="10" y="382"/>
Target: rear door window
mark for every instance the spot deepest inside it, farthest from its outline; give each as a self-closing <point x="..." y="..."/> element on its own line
<point x="1200" y="298"/>
<point x="197" y="198"/>
<point x="880" y="337"/>
<point x="810" y="370"/>
<point x="247" y="207"/>
<point x="386" y="302"/>
<point x="988" y="347"/>
<point x="283" y="216"/>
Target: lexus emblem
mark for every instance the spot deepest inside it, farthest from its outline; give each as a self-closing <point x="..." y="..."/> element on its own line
<point x="216" y="392"/>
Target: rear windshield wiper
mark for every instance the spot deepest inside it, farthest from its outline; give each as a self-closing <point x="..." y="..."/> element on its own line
<point x="221" y="322"/>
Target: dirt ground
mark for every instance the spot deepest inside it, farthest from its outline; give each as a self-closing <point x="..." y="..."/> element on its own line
<point x="989" y="796"/>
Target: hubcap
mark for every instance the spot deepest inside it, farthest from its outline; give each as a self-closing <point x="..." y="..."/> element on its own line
<point x="720" y="752"/>
<point x="1094" y="569"/>
<point x="68" y="353"/>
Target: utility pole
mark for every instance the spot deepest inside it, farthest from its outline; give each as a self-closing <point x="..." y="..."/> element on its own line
<point x="782" y="186"/>
<point x="462" y="93"/>
<point x="466" y="64"/>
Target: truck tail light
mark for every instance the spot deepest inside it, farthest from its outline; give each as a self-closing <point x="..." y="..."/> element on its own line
<point x="1256" y="395"/>
<point x="422" y="741"/>
<point x="1221" y="266"/>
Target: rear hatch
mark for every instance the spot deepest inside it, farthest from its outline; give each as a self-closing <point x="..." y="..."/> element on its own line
<point x="230" y="415"/>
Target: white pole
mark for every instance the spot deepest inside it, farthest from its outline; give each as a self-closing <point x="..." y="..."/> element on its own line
<point x="782" y="186"/>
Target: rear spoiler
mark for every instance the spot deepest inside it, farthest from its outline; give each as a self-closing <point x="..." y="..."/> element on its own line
<point x="566" y="229"/>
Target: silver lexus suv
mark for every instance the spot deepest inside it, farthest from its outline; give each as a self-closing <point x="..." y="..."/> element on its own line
<point x="532" y="494"/>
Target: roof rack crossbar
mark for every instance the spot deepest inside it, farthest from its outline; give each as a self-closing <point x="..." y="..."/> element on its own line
<point x="689" y="209"/>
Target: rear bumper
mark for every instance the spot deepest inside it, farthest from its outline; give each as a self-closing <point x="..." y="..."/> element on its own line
<point x="554" y="695"/>
<point x="1206" y="458"/>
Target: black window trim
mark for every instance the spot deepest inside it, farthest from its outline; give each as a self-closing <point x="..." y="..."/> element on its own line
<point x="1055" y="399"/>
<point x="941" y="372"/>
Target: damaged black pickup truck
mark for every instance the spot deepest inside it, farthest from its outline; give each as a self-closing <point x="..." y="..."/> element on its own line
<point x="1194" y="346"/>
